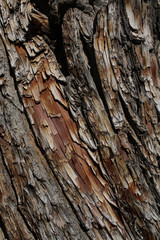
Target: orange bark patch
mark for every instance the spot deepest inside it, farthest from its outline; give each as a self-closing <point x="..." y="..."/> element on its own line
<point x="75" y="163"/>
<point x="154" y="67"/>
<point x="134" y="190"/>
<point x="35" y="90"/>
<point x="49" y="104"/>
<point x="150" y="129"/>
<point x="62" y="129"/>
<point x="22" y="53"/>
<point x="40" y="82"/>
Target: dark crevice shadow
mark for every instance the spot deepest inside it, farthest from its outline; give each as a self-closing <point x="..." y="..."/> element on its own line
<point x="89" y="51"/>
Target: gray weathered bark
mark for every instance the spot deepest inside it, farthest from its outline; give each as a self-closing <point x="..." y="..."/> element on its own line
<point x="79" y="119"/>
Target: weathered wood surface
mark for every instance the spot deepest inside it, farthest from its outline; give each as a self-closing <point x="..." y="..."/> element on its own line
<point x="79" y="119"/>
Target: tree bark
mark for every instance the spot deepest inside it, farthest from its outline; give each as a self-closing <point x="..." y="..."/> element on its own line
<point x="79" y="119"/>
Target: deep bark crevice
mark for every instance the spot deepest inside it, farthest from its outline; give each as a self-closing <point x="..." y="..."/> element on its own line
<point x="15" y="193"/>
<point x="39" y="146"/>
<point x="2" y="225"/>
<point x="59" y="49"/>
<point x="150" y="183"/>
<point x="89" y="51"/>
<point x="131" y="122"/>
<point x="54" y="38"/>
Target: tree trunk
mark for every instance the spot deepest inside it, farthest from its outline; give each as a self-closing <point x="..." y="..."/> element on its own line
<point x="79" y="119"/>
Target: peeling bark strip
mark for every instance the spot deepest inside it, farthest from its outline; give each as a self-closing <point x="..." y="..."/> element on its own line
<point x="79" y="120"/>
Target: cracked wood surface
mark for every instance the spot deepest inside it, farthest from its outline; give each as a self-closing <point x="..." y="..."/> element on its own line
<point x="79" y="120"/>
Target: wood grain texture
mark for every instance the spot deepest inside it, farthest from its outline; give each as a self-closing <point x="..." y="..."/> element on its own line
<point x="79" y="120"/>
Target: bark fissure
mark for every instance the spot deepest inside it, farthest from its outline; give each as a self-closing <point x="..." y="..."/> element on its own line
<point x="150" y="183"/>
<point x="40" y="147"/>
<point x="18" y="209"/>
<point x="2" y="225"/>
<point x="89" y="50"/>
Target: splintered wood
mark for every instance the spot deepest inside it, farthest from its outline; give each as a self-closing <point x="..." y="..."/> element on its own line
<point x="80" y="154"/>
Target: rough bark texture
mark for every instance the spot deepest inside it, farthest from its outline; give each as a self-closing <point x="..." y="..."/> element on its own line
<point x="79" y="119"/>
